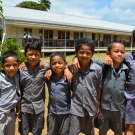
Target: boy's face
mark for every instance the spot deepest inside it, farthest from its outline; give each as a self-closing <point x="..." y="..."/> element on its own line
<point x="10" y="66"/>
<point x="84" y="54"/>
<point x="117" y="52"/>
<point x="57" y="65"/>
<point x="33" y="56"/>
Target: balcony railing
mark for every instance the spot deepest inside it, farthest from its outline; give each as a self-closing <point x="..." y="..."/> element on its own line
<point x="65" y="44"/>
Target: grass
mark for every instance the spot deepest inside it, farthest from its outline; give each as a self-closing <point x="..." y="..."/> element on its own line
<point x="69" y="58"/>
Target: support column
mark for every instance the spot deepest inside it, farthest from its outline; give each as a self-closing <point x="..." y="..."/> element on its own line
<point x="65" y="42"/>
<point x="83" y="33"/>
<point x="112" y="37"/>
<point x="43" y="40"/>
<point x="4" y="29"/>
<point x="98" y="40"/>
<point x="17" y="33"/>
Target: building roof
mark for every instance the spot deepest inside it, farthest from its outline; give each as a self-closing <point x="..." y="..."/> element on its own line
<point x="17" y="14"/>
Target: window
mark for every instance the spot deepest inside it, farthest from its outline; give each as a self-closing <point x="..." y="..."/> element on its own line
<point x="27" y="33"/>
<point x="61" y="34"/>
<point x="115" y="37"/>
<point x="93" y="36"/>
<point x="50" y="34"/>
<point x="46" y="34"/>
<point x="67" y="35"/>
<point x="107" y="37"/>
<point x="76" y="35"/>
<point x="81" y="34"/>
<point x="40" y="33"/>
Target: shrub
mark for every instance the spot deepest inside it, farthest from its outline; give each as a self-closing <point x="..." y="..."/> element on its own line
<point x="11" y="45"/>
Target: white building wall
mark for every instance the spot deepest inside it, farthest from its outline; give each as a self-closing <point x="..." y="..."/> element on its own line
<point x="119" y="37"/>
<point x="71" y="35"/>
<point x="55" y="34"/>
<point x="88" y="34"/>
<point x="35" y="33"/>
<point x="101" y="37"/>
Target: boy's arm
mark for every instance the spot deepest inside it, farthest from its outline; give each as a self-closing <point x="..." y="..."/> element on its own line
<point x="18" y="110"/>
<point x="68" y="75"/>
<point x="75" y="63"/>
<point x="99" y="62"/>
<point x="99" y="102"/>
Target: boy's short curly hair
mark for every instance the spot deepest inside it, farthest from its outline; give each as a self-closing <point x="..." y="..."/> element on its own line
<point x="85" y="41"/>
<point x="33" y="44"/>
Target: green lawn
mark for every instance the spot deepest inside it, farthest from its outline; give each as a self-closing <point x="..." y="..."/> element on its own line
<point x="99" y="56"/>
<point x="69" y="58"/>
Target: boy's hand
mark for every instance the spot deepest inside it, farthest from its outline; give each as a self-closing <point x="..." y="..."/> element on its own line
<point x="97" y="113"/>
<point x="48" y="74"/>
<point x="108" y="60"/>
<point x="17" y="117"/>
<point x="68" y="75"/>
<point x="75" y="64"/>
<point x="22" y="66"/>
<point x="41" y="64"/>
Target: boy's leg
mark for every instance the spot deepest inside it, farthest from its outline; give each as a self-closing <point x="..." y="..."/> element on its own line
<point x="10" y="127"/>
<point x="87" y="126"/>
<point x="75" y="125"/>
<point x="7" y="124"/>
<point x="24" y="123"/>
<point x="37" y="123"/>
<point x="3" y="122"/>
<point x="117" y="122"/>
<point x="52" y="124"/>
<point x="63" y="124"/>
<point x="104" y="121"/>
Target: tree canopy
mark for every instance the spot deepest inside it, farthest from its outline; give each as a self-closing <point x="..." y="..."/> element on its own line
<point x="29" y="4"/>
<point x="43" y="5"/>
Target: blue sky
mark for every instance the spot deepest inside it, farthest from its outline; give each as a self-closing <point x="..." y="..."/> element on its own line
<point x="119" y="11"/>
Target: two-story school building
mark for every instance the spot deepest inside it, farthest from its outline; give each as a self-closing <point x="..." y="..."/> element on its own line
<point x="59" y="31"/>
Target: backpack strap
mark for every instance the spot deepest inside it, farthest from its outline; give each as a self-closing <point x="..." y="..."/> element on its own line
<point x="105" y="70"/>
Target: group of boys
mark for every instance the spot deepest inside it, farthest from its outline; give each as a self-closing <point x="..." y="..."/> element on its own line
<point x="84" y="105"/>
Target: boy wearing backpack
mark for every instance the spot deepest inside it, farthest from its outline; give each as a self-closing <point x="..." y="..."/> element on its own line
<point x="111" y="114"/>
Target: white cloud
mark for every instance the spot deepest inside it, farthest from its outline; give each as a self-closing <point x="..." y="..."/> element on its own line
<point x="123" y="4"/>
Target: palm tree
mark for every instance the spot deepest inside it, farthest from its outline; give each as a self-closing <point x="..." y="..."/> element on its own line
<point x="44" y="5"/>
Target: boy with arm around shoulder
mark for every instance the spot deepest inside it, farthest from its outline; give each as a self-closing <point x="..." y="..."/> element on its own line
<point x="9" y="93"/>
<point x="130" y="90"/>
<point x="85" y="101"/>
<point x="32" y="83"/>
<point x="113" y="87"/>
<point x="59" y="97"/>
<point x="111" y="115"/>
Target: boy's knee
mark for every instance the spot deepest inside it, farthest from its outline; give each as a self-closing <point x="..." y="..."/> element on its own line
<point x="130" y="128"/>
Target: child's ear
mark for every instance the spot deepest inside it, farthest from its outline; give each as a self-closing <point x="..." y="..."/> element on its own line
<point x="107" y="52"/>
